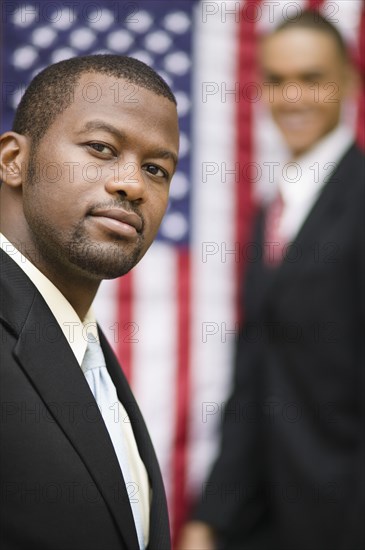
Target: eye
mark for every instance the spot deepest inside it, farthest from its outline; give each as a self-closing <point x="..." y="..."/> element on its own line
<point x="101" y="148"/>
<point x="273" y="79"/>
<point x="156" y="171"/>
<point x="312" y="78"/>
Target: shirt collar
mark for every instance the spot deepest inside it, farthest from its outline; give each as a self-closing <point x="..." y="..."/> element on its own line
<point x="304" y="177"/>
<point x="74" y="330"/>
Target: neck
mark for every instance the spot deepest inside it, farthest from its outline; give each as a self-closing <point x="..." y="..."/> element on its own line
<point x="78" y="289"/>
<point x="80" y="293"/>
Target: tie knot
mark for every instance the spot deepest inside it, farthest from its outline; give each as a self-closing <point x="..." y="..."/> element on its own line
<point x="93" y="358"/>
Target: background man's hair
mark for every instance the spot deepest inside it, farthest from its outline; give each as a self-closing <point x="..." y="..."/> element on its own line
<point x="52" y="90"/>
<point x="309" y="19"/>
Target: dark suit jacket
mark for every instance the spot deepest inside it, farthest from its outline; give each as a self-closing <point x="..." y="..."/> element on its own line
<point x="290" y="474"/>
<point x="61" y="484"/>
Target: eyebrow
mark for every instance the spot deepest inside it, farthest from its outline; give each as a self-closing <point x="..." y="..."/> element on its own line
<point x="165" y="154"/>
<point x="302" y="74"/>
<point x="101" y="125"/>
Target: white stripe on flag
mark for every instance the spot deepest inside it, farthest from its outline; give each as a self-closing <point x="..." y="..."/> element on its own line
<point x="155" y="354"/>
<point x="213" y="232"/>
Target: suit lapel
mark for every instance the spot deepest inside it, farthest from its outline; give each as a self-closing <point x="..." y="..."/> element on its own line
<point x="44" y="354"/>
<point x="47" y="359"/>
<point x="159" y="536"/>
<point x="326" y="209"/>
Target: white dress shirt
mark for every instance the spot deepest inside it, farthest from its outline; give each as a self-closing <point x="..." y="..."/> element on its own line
<point x="302" y="180"/>
<point x="75" y="332"/>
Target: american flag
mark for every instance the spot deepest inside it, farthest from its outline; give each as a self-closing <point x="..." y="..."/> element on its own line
<point x="173" y="319"/>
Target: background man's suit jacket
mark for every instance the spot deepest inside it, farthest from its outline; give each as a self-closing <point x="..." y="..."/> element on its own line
<point x="290" y="474"/>
<point x="61" y="484"/>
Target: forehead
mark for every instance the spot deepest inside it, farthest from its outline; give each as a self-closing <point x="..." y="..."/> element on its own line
<point x="300" y="50"/>
<point x="122" y="103"/>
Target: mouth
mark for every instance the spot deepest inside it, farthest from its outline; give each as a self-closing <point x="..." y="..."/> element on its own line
<point x="119" y="221"/>
<point x="295" y="121"/>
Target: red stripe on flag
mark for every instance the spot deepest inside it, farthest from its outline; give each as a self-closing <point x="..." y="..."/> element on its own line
<point x="124" y="324"/>
<point x="247" y="73"/>
<point x="315" y="4"/>
<point x="179" y="501"/>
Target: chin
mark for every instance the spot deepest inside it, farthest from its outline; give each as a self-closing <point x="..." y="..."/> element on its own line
<point x="105" y="265"/>
<point x="300" y="148"/>
<point x="101" y="272"/>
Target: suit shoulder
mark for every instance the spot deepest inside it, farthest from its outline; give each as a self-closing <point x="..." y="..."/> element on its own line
<point x="353" y="164"/>
<point x="17" y="293"/>
<point x="348" y="179"/>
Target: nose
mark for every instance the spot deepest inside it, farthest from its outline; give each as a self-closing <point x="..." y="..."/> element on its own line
<point x="127" y="179"/>
<point x="293" y="94"/>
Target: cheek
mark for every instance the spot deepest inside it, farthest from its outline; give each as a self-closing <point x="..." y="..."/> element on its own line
<point x="160" y="201"/>
<point x="163" y="206"/>
<point x="51" y="204"/>
<point x="328" y="114"/>
<point x="154" y="214"/>
<point x="329" y="100"/>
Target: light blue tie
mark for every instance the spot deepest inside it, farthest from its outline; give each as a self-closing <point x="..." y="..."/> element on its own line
<point x="103" y="389"/>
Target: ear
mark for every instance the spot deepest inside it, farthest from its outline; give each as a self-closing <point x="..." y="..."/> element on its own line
<point x="14" y="150"/>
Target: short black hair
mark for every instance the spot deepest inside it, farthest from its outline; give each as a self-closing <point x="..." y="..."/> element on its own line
<point x="312" y="19"/>
<point x="51" y="91"/>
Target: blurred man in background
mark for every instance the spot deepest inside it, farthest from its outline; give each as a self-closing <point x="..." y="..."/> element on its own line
<point x="290" y="473"/>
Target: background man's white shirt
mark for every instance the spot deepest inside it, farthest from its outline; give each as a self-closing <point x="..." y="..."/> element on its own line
<point x="306" y="177"/>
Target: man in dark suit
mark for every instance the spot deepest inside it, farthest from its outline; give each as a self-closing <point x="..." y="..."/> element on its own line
<point x="85" y="183"/>
<point x="290" y="473"/>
